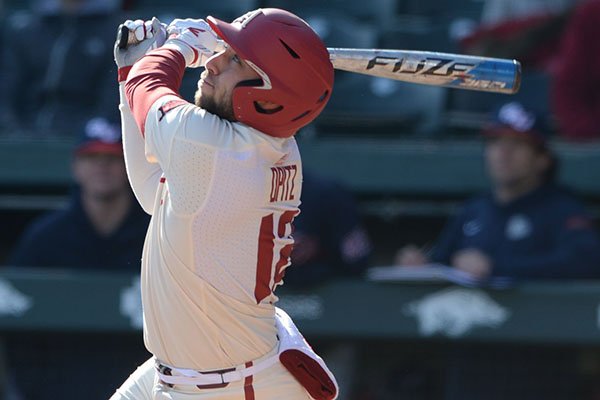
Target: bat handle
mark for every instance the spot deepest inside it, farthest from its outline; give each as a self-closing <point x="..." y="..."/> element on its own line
<point x="124" y="39"/>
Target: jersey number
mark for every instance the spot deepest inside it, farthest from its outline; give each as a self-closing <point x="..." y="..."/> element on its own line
<point x="266" y="247"/>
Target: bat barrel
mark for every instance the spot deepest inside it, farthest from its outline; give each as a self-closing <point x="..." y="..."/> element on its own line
<point x="431" y="68"/>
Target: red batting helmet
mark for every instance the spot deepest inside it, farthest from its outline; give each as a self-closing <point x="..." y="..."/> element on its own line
<point x="293" y="63"/>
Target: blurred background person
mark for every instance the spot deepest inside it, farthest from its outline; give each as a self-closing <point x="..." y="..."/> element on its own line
<point x="575" y="96"/>
<point x="103" y="224"/>
<point x="527" y="226"/>
<point x="102" y="229"/>
<point x="56" y="66"/>
<point x="530" y="35"/>
<point x="330" y="240"/>
<point x="330" y="243"/>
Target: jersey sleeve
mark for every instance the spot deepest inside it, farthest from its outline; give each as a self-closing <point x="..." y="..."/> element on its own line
<point x="151" y="91"/>
<point x="183" y="139"/>
<point x="186" y="141"/>
<point x="143" y="175"/>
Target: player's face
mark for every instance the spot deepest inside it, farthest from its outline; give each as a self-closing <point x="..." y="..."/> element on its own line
<point x="511" y="161"/>
<point x="102" y="176"/>
<point x="215" y="87"/>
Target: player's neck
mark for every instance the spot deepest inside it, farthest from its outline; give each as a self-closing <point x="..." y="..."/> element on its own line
<point x="106" y="213"/>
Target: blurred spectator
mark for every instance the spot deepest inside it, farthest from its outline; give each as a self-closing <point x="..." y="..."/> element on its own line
<point x="329" y="239"/>
<point x="103" y="228"/>
<point x="329" y="242"/>
<point x="527" y="227"/>
<point x="103" y="225"/>
<point x="575" y="92"/>
<point x="57" y="66"/>
<point x="532" y="39"/>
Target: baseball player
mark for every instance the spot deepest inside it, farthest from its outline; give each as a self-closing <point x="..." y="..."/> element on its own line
<point x="221" y="179"/>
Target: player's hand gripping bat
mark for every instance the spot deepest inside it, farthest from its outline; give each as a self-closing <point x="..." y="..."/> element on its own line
<point x="431" y="68"/>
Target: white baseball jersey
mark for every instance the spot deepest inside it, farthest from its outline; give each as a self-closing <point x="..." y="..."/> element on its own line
<point x="222" y="197"/>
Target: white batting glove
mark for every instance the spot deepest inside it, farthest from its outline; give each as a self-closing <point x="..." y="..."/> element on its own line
<point x="194" y="39"/>
<point x="148" y="35"/>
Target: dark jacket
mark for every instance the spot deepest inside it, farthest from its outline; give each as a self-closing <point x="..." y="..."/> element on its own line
<point x="543" y="234"/>
<point x="330" y="240"/>
<point x="66" y="238"/>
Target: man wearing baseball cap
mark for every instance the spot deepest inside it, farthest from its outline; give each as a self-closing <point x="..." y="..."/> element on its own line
<point x="526" y="226"/>
<point x="102" y="225"/>
<point x="101" y="228"/>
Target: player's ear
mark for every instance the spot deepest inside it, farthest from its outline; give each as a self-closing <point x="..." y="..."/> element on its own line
<point x="267" y="107"/>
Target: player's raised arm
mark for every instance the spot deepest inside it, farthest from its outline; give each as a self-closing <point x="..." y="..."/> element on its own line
<point x="143" y="176"/>
<point x="159" y="74"/>
<point x="152" y="89"/>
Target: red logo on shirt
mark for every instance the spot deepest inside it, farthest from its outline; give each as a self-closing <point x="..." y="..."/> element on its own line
<point x="168" y="106"/>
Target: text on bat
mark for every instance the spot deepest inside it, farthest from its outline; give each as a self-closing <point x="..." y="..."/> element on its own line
<point x="428" y="66"/>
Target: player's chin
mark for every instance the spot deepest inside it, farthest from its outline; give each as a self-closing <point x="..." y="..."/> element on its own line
<point x="198" y="97"/>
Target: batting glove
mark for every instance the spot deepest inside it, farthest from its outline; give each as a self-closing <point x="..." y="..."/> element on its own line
<point x="148" y="35"/>
<point x="194" y="39"/>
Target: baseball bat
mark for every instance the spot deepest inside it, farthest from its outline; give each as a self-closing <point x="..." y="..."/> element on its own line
<point x="496" y="75"/>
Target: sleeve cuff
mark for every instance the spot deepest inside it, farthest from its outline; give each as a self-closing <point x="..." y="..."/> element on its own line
<point x="122" y="73"/>
<point x="190" y="54"/>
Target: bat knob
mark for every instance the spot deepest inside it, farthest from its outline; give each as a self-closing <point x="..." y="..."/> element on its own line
<point x="122" y="37"/>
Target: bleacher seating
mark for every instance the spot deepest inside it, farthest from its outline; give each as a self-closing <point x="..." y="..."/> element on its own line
<point x="436" y="9"/>
<point x="339" y="29"/>
<point x="376" y="12"/>
<point x="467" y="110"/>
<point x="371" y="106"/>
<point x="166" y="10"/>
<point x="362" y="106"/>
<point x="420" y="35"/>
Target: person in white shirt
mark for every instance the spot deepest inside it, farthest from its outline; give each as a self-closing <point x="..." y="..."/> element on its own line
<point x="222" y="180"/>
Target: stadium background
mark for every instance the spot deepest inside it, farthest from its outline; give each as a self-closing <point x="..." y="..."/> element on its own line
<point x="410" y="154"/>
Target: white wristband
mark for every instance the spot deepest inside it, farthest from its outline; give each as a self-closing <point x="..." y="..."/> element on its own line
<point x="185" y="49"/>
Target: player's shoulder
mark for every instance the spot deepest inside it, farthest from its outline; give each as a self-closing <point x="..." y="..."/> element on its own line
<point x="196" y="125"/>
